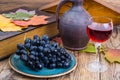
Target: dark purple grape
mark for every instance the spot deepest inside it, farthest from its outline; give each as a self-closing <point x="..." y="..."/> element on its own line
<point x="52" y="60"/>
<point x="18" y="52"/>
<point x="62" y="57"/>
<point x="40" y="49"/>
<point x="41" y="55"/>
<point x="58" y="59"/>
<point x="45" y="59"/>
<point x="59" y="65"/>
<point x="34" y="42"/>
<point x="31" y="57"/>
<point x="49" y="55"/>
<point x="68" y="56"/>
<point x="36" y="37"/>
<point x="42" y="43"/>
<point x="29" y="63"/>
<point x="37" y="59"/>
<point x="27" y="46"/>
<point x="46" y="50"/>
<point x="32" y="53"/>
<point x="27" y="40"/>
<point x="54" y="44"/>
<point x="24" y="57"/>
<point x="39" y="66"/>
<point x="45" y="38"/>
<point x="23" y="52"/>
<point x="51" y="66"/>
<point x="20" y="46"/>
<point x="66" y="64"/>
<point x="33" y="48"/>
<point x="47" y="46"/>
<point x="36" y="54"/>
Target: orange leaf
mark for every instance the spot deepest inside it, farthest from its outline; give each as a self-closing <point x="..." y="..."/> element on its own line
<point x="113" y="55"/>
<point x="21" y="23"/>
<point x="35" y="20"/>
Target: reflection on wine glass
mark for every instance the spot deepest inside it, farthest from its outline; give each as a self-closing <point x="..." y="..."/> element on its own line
<point x="99" y="31"/>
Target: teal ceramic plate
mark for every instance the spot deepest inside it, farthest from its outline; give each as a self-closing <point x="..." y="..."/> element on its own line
<point x="17" y="65"/>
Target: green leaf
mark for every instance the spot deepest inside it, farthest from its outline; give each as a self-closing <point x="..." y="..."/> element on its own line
<point x="19" y="15"/>
<point x="89" y="49"/>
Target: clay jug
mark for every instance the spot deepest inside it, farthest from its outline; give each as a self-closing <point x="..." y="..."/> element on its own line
<point x="72" y="25"/>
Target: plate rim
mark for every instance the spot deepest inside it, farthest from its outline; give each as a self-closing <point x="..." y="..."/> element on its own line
<point x="39" y="76"/>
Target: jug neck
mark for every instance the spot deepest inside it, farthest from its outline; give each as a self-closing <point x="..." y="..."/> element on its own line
<point x="77" y="2"/>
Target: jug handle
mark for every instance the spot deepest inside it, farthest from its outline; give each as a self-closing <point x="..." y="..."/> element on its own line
<point x="58" y="10"/>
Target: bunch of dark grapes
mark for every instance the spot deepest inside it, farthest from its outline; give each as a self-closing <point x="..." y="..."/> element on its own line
<point x="37" y="53"/>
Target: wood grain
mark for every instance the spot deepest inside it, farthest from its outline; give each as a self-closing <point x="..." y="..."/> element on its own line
<point x="112" y="4"/>
<point x="36" y="4"/>
<point x="93" y="8"/>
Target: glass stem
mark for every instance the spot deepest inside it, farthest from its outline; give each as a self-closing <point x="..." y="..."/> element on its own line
<point x="97" y="47"/>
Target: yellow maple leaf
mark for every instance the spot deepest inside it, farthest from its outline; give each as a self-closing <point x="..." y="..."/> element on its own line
<point x="113" y="55"/>
<point x="4" y="21"/>
<point x="11" y="27"/>
<point x="7" y="25"/>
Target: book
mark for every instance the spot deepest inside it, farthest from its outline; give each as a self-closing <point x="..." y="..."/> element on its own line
<point x="9" y="40"/>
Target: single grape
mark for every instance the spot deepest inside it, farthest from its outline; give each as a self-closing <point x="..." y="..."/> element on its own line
<point x="27" y="40"/>
<point x="33" y="48"/>
<point x="36" y="37"/>
<point x="51" y="66"/>
<point x="59" y="65"/>
<point x="24" y="57"/>
<point x="40" y="49"/>
<point x="20" y="46"/>
<point x="45" y="38"/>
<point x="27" y="45"/>
<point x="66" y="64"/>
<point x="32" y="53"/>
<point x="39" y="66"/>
<point x="23" y="52"/>
<point x="18" y="52"/>
<point x="31" y="57"/>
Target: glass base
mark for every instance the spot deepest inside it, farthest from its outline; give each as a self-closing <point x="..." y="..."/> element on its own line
<point x="95" y="66"/>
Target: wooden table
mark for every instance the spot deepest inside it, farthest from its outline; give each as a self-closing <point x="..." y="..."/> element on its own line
<point x="80" y="73"/>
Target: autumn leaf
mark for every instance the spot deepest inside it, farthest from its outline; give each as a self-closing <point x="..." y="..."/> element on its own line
<point x="112" y="55"/>
<point x="4" y="21"/>
<point x="11" y="27"/>
<point x="89" y="49"/>
<point x="6" y="25"/>
<point x="35" y="20"/>
<point x="20" y="14"/>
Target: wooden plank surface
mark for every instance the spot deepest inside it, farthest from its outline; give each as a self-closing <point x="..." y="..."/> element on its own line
<point x="112" y="4"/>
<point x="80" y="73"/>
<point x="35" y="4"/>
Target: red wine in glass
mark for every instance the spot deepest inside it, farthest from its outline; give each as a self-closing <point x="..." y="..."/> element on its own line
<point x="99" y="32"/>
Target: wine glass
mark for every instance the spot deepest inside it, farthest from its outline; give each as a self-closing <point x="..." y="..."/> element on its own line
<point x="99" y="31"/>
